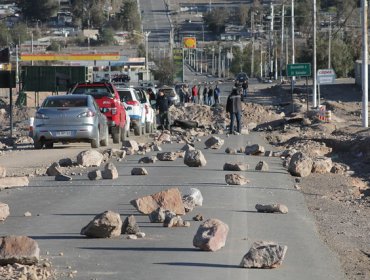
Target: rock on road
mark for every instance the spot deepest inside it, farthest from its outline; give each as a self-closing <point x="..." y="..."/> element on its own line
<point x="61" y="209"/>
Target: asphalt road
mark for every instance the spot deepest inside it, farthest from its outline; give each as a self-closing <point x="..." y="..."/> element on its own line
<point x="61" y="209"/>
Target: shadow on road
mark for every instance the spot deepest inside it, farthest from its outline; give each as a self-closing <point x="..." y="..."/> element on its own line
<point x="214" y="265"/>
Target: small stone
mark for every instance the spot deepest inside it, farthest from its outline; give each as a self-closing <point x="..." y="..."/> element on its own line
<point x="236" y="179"/>
<point x="262" y="166"/>
<point x="148" y="160"/>
<point x="132" y="236"/>
<point x="61" y="254"/>
<point x="198" y="217"/>
<point x="27" y="214"/>
<point x="230" y="151"/>
<point x="94" y="175"/>
<point x="140" y="234"/>
<point x="110" y="172"/>
<point x="272" y="208"/>
<point x="61" y="177"/>
<point x="238" y="166"/>
<point x="139" y="171"/>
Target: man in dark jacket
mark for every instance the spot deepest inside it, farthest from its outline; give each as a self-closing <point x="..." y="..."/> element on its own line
<point x="163" y="104"/>
<point x="234" y="107"/>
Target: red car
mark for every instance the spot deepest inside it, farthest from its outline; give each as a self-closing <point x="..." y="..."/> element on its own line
<point x="108" y="100"/>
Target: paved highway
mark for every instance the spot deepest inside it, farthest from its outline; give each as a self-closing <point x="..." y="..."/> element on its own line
<point x="61" y="209"/>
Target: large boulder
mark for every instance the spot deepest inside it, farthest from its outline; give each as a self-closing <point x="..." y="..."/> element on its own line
<point x="130" y="225"/>
<point x="195" y="195"/>
<point x="13" y="182"/>
<point x="322" y="165"/>
<point x="4" y="211"/>
<point x="169" y="200"/>
<point x="272" y="208"/>
<point x="139" y="171"/>
<point x="211" y="235"/>
<point x="66" y="162"/>
<point x="110" y="172"/>
<point x="167" y="156"/>
<point x="148" y="160"/>
<point x="90" y="158"/>
<point x="264" y="254"/>
<point x="194" y="159"/>
<point x="214" y="142"/>
<point x="131" y="144"/>
<point x="18" y="249"/>
<point x="95" y="175"/>
<point x="254" y="150"/>
<point x="262" y="166"/>
<point x="237" y="166"/>
<point x="236" y="179"/>
<point x="54" y="169"/>
<point x="300" y="165"/>
<point x="105" y="225"/>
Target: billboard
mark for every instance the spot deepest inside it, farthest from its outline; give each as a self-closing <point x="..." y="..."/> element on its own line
<point x="68" y="57"/>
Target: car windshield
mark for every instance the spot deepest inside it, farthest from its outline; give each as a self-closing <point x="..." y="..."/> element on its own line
<point x="125" y="95"/>
<point x="65" y="102"/>
<point x="168" y="92"/>
<point x="93" y="91"/>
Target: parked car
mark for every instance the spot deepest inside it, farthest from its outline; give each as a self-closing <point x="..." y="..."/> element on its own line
<point x="130" y="98"/>
<point x="150" y="116"/>
<point x="69" y="118"/>
<point x="107" y="97"/>
<point x="171" y="93"/>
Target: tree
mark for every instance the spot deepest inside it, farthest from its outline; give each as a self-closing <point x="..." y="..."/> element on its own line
<point x="38" y="9"/>
<point x="19" y="33"/>
<point x="106" y="36"/>
<point x="216" y="19"/>
<point x="243" y="14"/>
<point x="4" y="35"/>
<point x="128" y="16"/>
<point x="165" y="72"/>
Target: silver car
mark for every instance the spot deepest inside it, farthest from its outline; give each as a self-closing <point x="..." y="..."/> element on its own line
<point x="69" y="118"/>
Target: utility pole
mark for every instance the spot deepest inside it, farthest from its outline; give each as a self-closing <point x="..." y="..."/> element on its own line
<point x="252" y="30"/>
<point x="282" y="43"/>
<point x="270" y="38"/>
<point x="219" y="61"/>
<point x="314" y="92"/>
<point x="213" y="61"/>
<point x="329" y="47"/>
<point x="293" y="51"/>
<point x="147" y="54"/>
<point x="365" y="67"/>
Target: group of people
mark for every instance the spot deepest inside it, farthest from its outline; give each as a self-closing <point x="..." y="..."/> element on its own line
<point x="204" y="94"/>
<point x="196" y="95"/>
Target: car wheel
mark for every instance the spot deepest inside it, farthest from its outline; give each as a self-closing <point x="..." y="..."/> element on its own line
<point x="116" y="134"/>
<point x="95" y="142"/>
<point x="49" y="145"/>
<point x="105" y="141"/>
<point x="38" y="144"/>
<point x="137" y="129"/>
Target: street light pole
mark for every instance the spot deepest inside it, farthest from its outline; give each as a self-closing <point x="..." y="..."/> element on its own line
<point x="314" y="92"/>
<point x="147" y="54"/>
<point x="365" y="66"/>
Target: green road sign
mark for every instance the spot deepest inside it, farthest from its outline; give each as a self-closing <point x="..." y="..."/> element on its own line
<point x="299" y="69"/>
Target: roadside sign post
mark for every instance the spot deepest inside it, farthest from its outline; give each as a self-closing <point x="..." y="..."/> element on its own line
<point x="299" y="70"/>
<point x="324" y="77"/>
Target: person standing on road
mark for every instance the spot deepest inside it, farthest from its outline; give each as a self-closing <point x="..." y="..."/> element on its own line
<point x="210" y="95"/>
<point x="186" y="93"/>
<point x="163" y="105"/>
<point x="194" y="94"/>
<point x="205" y="94"/>
<point x="200" y="90"/>
<point x="216" y="95"/>
<point x="234" y="108"/>
<point x="245" y="88"/>
<point x="182" y="94"/>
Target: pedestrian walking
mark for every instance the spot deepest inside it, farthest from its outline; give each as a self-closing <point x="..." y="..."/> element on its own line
<point x="205" y="94"/>
<point x="245" y="88"/>
<point x="234" y="108"/>
<point x="216" y="95"/>
<point x="210" y="95"/>
<point x="194" y="94"/>
<point x="163" y="104"/>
